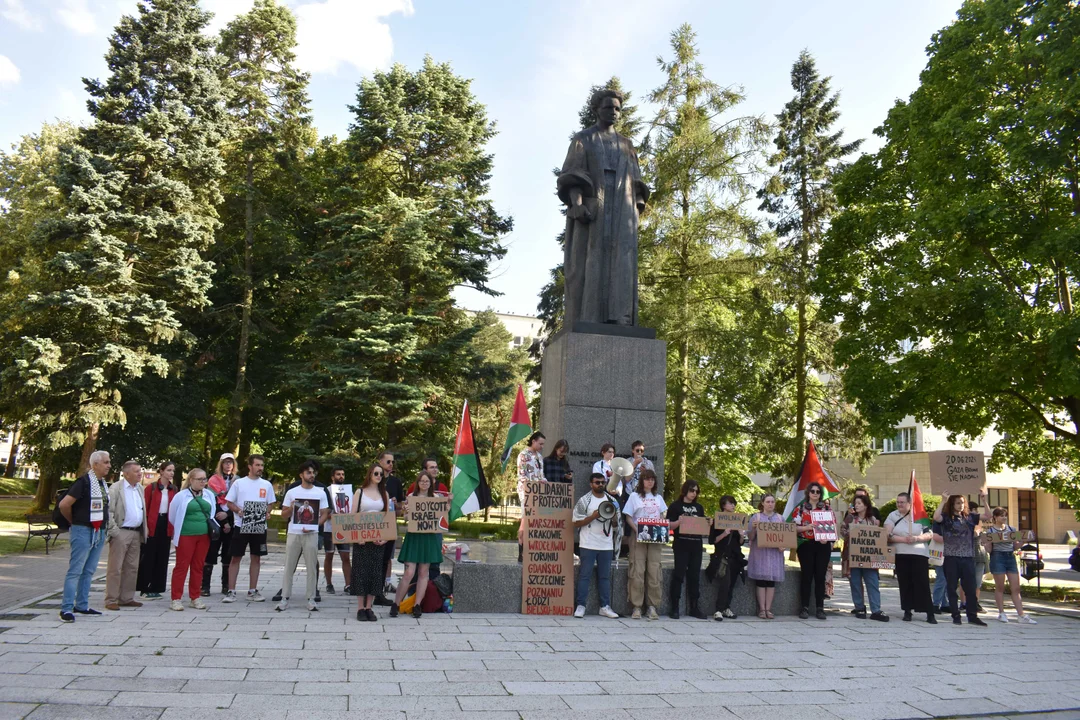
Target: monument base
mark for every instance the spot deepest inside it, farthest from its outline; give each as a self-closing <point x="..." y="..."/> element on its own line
<point x="605" y="385"/>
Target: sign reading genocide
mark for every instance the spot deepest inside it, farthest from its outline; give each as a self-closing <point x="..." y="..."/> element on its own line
<point x="693" y="525"/>
<point x="547" y="577"/>
<point x="957" y="472"/>
<point x="364" y="527"/>
<point x="777" y="534"/>
<point x="868" y="547"/>
<point x="652" y="530"/>
<point x="824" y="522"/>
<point x="730" y="521"/>
<point x="427" y="514"/>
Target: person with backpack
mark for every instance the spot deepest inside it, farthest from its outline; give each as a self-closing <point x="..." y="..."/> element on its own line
<point x="193" y="525"/>
<point x="725" y="564"/>
<point x="85" y="510"/>
<point x="220" y="483"/>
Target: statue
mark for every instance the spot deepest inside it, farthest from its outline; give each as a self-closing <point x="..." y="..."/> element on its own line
<point x="601" y="186"/>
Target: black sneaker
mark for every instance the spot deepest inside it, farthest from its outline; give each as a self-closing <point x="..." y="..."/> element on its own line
<point x="696" y="613"/>
<point x="956" y="621"/>
<point x="318" y="597"/>
<point x="277" y="597"/>
<point x="88" y="611"/>
<point x="417" y="612"/>
<point x="674" y="614"/>
<point x="861" y="614"/>
<point x="329" y="590"/>
<point x="394" y="609"/>
<point x="382" y="601"/>
<point x="907" y="616"/>
<point x="361" y="615"/>
<point x="67" y="617"/>
<point x="820" y="614"/>
<point x="804" y="614"/>
<point x="371" y="616"/>
<point x="879" y="616"/>
<point x="974" y="620"/>
<point x="930" y="619"/>
<point x="205" y="592"/>
<point x="347" y="590"/>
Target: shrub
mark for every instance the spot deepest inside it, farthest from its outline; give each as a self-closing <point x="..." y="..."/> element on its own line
<point x="930" y="502"/>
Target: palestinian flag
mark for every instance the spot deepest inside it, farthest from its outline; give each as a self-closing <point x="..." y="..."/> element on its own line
<point x="520" y="426"/>
<point x="811" y="472"/>
<point x="469" y="490"/>
<point x="918" y="510"/>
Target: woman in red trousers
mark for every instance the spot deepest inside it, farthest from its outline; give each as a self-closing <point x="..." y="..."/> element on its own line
<point x="189" y="515"/>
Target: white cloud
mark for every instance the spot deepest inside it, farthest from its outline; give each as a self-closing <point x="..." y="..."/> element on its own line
<point x="9" y="74"/>
<point x="336" y="32"/>
<point x="76" y="16"/>
<point x="16" y="12"/>
<point x="224" y="11"/>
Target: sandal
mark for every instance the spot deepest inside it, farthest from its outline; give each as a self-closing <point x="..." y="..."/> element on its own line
<point x="762" y="614"/>
<point x="768" y="614"/>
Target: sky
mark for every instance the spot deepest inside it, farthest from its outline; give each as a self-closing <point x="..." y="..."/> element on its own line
<point x="531" y="63"/>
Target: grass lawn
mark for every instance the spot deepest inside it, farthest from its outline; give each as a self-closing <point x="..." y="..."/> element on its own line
<point x="18" y="486"/>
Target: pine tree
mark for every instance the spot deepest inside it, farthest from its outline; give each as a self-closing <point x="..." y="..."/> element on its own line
<point x="271" y="131"/>
<point x="692" y="254"/>
<point x="799" y="198"/>
<point x="126" y="261"/>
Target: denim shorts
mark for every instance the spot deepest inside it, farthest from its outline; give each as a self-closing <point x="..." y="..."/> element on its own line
<point x="1002" y="563"/>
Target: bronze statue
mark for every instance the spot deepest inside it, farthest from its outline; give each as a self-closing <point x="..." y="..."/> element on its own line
<point x="602" y="188"/>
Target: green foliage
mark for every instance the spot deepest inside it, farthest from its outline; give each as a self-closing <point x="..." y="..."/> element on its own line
<point x="472" y="529"/>
<point x="954" y="262"/>
<point x="930" y="503"/>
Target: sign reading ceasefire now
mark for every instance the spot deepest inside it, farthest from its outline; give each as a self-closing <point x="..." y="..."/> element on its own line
<point x="777" y="534"/>
<point x="364" y="527"/>
<point x="547" y="574"/>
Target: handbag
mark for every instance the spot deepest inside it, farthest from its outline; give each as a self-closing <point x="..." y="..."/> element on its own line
<point x="212" y="526"/>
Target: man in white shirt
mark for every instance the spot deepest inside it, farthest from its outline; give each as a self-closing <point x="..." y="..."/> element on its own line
<point x="249" y="498"/>
<point x="597" y="539"/>
<point x="305" y="508"/>
<point x="127" y="533"/>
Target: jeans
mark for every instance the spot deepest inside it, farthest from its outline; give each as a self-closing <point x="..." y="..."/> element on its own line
<point x="939" y="587"/>
<point x="602" y="559"/>
<point x="86" y="546"/>
<point x="962" y="569"/>
<point x="870" y="577"/>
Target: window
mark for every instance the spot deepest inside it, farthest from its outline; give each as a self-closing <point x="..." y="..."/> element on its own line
<point x="1064" y="505"/>
<point x="517" y="340"/>
<point x="903" y="441"/>
<point x="998" y="498"/>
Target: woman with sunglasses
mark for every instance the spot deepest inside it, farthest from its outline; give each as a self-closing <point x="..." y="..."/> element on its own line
<point x="687" y="550"/>
<point x="814" y="555"/>
<point x="367" y="558"/>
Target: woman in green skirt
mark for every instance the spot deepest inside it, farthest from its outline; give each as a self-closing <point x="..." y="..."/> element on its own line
<point x="418" y="551"/>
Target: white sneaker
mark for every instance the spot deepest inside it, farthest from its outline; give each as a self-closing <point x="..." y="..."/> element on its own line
<point x="198" y="604"/>
<point x="636" y="615"/>
<point x="255" y="596"/>
<point x="579" y="611"/>
<point x="311" y="606"/>
<point x="283" y="605"/>
<point x="652" y="613"/>
<point x="1003" y="617"/>
<point x="607" y="612"/>
<point x="176" y="605"/>
<point x="1026" y="620"/>
<point x="718" y="615"/>
<point x="230" y="597"/>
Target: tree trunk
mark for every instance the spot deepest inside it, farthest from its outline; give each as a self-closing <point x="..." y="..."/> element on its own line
<point x="245" y="437"/>
<point x="800" y="338"/>
<point x="13" y="455"/>
<point x="48" y="483"/>
<point x="208" y="436"/>
<point x="88" y="448"/>
<point x="679" y="411"/>
<point x="239" y="396"/>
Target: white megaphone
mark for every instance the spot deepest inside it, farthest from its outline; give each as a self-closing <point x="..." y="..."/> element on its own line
<point x="620" y="468"/>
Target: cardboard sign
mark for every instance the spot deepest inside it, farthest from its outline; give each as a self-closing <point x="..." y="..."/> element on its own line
<point x="730" y="521"/>
<point x="363" y="527"/>
<point x="868" y="547"/>
<point x="547" y="571"/>
<point x="652" y="530"/>
<point x="427" y="514"/>
<point x="784" y="535"/>
<point x="937" y="553"/>
<point x="693" y="525"/>
<point x="824" y="522"/>
<point x="957" y="472"/>
<point x="997" y="536"/>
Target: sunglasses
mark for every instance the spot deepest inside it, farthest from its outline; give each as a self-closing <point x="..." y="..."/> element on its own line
<point x="597" y="482"/>
<point x="815" y="492"/>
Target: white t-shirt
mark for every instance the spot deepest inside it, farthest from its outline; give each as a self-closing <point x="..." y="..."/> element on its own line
<point x="904" y="527"/>
<point x="253" y="497"/>
<point x="306" y="505"/>
<point x="650" y="506"/>
<point x="592" y="536"/>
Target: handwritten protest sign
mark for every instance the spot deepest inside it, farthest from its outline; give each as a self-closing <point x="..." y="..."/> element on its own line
<point x="730" y="521"/>
<point x="693" y="525"/>
<point x="363" y="527"/>
<point x="995" y="535"/>
<point x="957" y="472"/>
<point x="777" y="534"/>
<point x="868" y="547"/>
<point x="427" y="514"/>
<point x="547" y="577"/>
<point x="824" y="522"/>
<point x="652" y="530"/>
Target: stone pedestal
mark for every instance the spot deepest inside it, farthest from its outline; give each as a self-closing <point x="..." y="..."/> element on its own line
<point x="604" y="384"/>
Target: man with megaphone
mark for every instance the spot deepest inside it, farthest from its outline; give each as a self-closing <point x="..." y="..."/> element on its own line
<point x="599" y="521"/>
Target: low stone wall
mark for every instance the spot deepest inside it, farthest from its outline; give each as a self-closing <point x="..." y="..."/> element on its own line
<point x="496" y="588"/>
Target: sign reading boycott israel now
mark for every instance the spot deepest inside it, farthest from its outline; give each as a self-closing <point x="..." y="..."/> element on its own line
<point x="957" y="472"/>
<point x="427" y="514"/>
<point x="777" y="534"/>
<point x="364" y="527"/>
<point x="868" y="547"/>
<point x="547" y="574"/>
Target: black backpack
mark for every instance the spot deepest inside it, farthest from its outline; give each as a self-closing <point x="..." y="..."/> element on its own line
<point x="58" y="517"/>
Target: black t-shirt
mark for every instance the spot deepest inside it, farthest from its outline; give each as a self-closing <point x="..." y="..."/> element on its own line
<point x="395" y="489"/>
<point x="679" y="508"/>
<point x="80" y="511"/>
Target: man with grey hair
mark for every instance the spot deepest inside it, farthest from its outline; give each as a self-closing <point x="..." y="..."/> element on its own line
<point x="86" y="509"/>
<point x="127" y="533"/>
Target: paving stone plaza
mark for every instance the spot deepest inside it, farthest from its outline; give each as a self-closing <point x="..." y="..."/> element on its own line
<point x="247" y="662"/>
